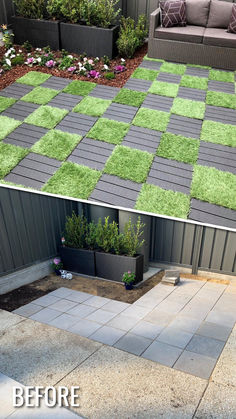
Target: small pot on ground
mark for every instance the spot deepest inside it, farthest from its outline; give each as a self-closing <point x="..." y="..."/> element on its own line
<point x="81" y="261"/>
<point x="113" y="267"/>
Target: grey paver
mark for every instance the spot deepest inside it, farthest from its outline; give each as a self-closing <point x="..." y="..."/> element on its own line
<point x="62" y="292"/>
<point x="212" y="214"/>
<point x="133" y="343"/>
<point x="57" y="83"/>
<point x="159" y="317"/>
<point x="195" y="364"/>
<point x="63" y="305"/>
<point x="96" y="301"/>
<point x="186" y="323"/>
<point x="46" y="300"/>
<point x="81" y="310"/>
<point x="100" y="316"/>
<point x="143" y="139"/>
<point x="170" y="307"/>
<point x="188" y="127"/>
<point x="65" y="101"/>
<point x="84" y="328"/>
<point x="175" y="336"/>
<point x="20" y="110"/>
<point x="169" y="78"/>
<point x="137" y="312"/>
<point x="45" y="315"/>
<point x="115" y="191"/>
<point x="76" y="123"/>
<point x="104" y="92"/>
<point x="139" y="85"/>
<point x="147" y="329"/>
<point x="33" y="171"/>
<point x="170" y="174"/>
<point x="27" y="310"/>
<point x="220" y="86"/>
<point x="120" y="113"/>
<point x="107" y="335"/>
<point x="25" y="135"/>
<point x="218" y="317"/>
<point x="197" y="72"/>
<point x="64" y="321"/>
<point x="159" y="103"/>
<point x="205" y="346"/>
<point x="115" y="306"/>
<point x="151" y="65"/>
<point x="219" y="156"/>
<point x="162" y="353"/>
<point x="77" y="296"/>
<point x="16" y="90"/>
<point x="213" y="330"/>
<point x="192" y="94"/>
<point x="91" y="153"/>
<point x="123" y="322"/>
<point x="219" y="114"/>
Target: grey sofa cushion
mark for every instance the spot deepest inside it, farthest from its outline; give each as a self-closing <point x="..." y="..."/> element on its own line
<point x="197" y="12"/>
<point x="186" y="34"/>
<point x="219" y="15"/>
<point x="219" y="38"/>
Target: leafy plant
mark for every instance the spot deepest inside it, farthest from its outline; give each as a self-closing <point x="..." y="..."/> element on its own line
<point x="91" y="236"/>
<point x="54" y="9"/>
<point x="75" y="231"/>
<point x="18" y="60"/>
<point x="131" y="36"/>
<point x="27" y="46"/>
<point x="109" y="76"/>
<point x="128" y="277"/>
<point x="72" y="10"/>
<point x="107" y="13"/>
<point x="33" y="9"/>
<point x="133" y="237"/>
<point x="66" y="62"/>
<point x="106" y="60"/>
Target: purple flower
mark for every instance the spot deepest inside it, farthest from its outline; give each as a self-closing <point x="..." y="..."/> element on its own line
<point x="50" y="63"/>
<point x="71" y="69"/>
<point x="46" y="55"/>
<point x="119" y="69"/>
<point x="57" y="261"/>
<point x="94" y="74"/>
<point x="30" y="60"/>
<point x="129" y="272"/>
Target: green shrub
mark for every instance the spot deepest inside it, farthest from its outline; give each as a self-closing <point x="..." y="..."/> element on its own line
<point x="66" y="62"/>
<point x="33" y="9"/>
<point x="54" y="9"/>
<point x="133" y="241"/>
<point x="71" y="10"/>
<point x="75" y="231"/>
<point x="18" y="60"/>
<point x="27" y="46"/>
<point x="107" y="13"/>
<point x="109" y="76"/>
<point x="131" y="37"/>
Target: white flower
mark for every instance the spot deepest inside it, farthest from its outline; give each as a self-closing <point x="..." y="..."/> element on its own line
<point x="29" y="53"/>
<point x="97" y="58"/>
<point x="70" y="56"/>
<point x="8" y="62"/>
<point x="90" y="62"/>
<point x="38" y="49"/>
<point x="80" y="64"/>
<point x="20" y="50"/>
<point x="106" y="67"/>
<point x="122" y="60"/>
<point x="39" y="59"/>
<point x="83" y="69"/>
<point x="85" y="59"/>
<point x="12" y="56"/>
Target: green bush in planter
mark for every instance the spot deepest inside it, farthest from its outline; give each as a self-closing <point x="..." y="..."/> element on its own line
<point x="75" y="231"/>
<point x="54" y="9"/>
<point x="131" y="36"/>
<point x="32" y="9"/>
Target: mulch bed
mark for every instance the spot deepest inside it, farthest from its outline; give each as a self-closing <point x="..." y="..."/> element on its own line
<point x="131" y="64"/>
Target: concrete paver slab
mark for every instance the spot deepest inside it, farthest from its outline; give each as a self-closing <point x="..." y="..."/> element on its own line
<point x="218" y="402"/>
<point x="175" y="336"/>
<point x="28" y="310"/>
<point x="205" y="346"/>
<point x="162" y="353"/>
<point x="8" y="319"/>
<point x="213" y="330"/>
<point x="133" y="344"/>
<point x="196" y="364"/>
<point x="107" y="335"/>
<point x="147" y="329"/>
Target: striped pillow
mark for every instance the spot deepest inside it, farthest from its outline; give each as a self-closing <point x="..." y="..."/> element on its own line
<point x="232" y="22"/>
<point x="173" y="13"/>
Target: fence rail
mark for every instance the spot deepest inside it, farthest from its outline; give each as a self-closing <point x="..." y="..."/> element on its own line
<point x="31" y="225"/>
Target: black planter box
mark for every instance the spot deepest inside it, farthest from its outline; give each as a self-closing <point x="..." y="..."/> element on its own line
<point x="112" y="267"/>
<point x="40" y="33"/>
<point x="78" y="260"/>
<point x="96" y="42"/>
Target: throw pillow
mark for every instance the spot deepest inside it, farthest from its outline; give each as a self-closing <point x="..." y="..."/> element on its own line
<point x="197" y="12"/>
<point x="173" y="13"/>
<point x="220" y="13"/>
<point x="232" y="22"/>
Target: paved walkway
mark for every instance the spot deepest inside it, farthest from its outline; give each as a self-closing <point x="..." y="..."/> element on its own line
<point x="197" y="320"/>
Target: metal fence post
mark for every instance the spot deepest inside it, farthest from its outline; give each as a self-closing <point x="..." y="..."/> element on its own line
<point x="196" y="249"/>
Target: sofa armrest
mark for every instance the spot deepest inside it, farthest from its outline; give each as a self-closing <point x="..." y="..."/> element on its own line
<point x="155" y="19"/>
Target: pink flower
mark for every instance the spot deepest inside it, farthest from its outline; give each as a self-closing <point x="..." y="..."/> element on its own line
<point x="30" y="60"/>
<point x="50" y="63"/>
<point x="71" y="69"/>
<point x="129" y="272"/>
<point x="119" y="68"/>
<point x="46" y="55"/>
<point x="57" y="261"/>
<point x="94" y="74"/>
<point x="90" y="62"/>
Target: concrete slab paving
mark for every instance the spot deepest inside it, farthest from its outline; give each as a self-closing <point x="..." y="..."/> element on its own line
<point x="218" y="402"/>
<point x="8" y="319"/>
<point x="133" y="343"/>
<point x="163" y="353"/>
<point x="196" y="364"/>
<point x="213" y="330"/>
<point x="225" y="371"/>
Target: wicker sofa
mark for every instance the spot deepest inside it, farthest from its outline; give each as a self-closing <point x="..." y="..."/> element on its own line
<point x="201" y="45"/>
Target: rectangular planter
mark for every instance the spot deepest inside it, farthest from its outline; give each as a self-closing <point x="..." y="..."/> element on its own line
<point x="80" y="261"/>
<point x="112" y="267"/>
<point x="40" y="33"/>
<point x="96" y="42"/>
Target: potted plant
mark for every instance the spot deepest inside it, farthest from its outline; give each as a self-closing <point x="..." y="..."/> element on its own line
<point x="77" y="252"/>
<point x="89" y="25"/>
<point x="33" y="23"/>
<point x="128" y="279"/>
<point x="57" y="265"/>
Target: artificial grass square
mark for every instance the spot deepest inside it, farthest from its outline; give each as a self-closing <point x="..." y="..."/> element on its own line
<point x="146" y="58"/>
<point x="73" y="180"/>
<point x="33" y="78"/>
<point x="194" y="82"/>
<point x="226" y="76"/>
<point x="10" y="155"/>
<point x="46" y="116"/>
<point x="225" y="100"/>
<point x="40" y="95"/>
<point x="110" y="131"/>
<point x="7" y="125"/>
<point x="130" y="97"/>
<point x="92" y="106"/>
<point x="214" y="186"/>
<point x="189" y="108"/>
<point x="129" y="163"/>
<point x="56" y="144"/>
<point x="216" y="132"/>
<point x="78" y="87"/>
<point x="163" y="88"/>
<point x="152" y="119"/>
<point x="173" y="68"/>
<point x="205" y="67"/>
<point x="177" y="147"/>
<point x="159" y="201"/>
<point x="6" y="102"/>
<point x="145" y="74"/>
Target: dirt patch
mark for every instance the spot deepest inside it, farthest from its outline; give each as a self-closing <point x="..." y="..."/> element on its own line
<point x="26" y="294"/>
<point x="18" y="71"/>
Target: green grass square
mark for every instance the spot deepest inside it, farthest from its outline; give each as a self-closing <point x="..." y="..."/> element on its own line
<point x="189" y="108"/>
<point x="158" y="60"/>
<point x="205" y="67"/>
<point x="92" y="106"/>
<point x="173" y="68"/>
<point x="129" y="163"/>
<point x="56" y="144"/>
<point x="110" y="131"/>
<point x="214" y="186"/>
<point x="164" y="89"/>
<point x="194" y="82"/>
<point x="33" y="78"/>
<point x="152" y="119"/>
<point x="7" y="125"/>
<point x="6" y="102"/>
<point x="226" y="76"/>
<point x="73" y="180"/>
<point x="225" y="100"/>
<point x="159" y="201"/>
<point x="145" y="74"/>
<point x="130" y="97"/>
<point x="177" y="147"/>
<point x="78" y="87"/>
<point x="46" y="116"/>
<point x="40" y="95"/>
<point x="216" y="132"/>
<point x="10" y="155"/>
